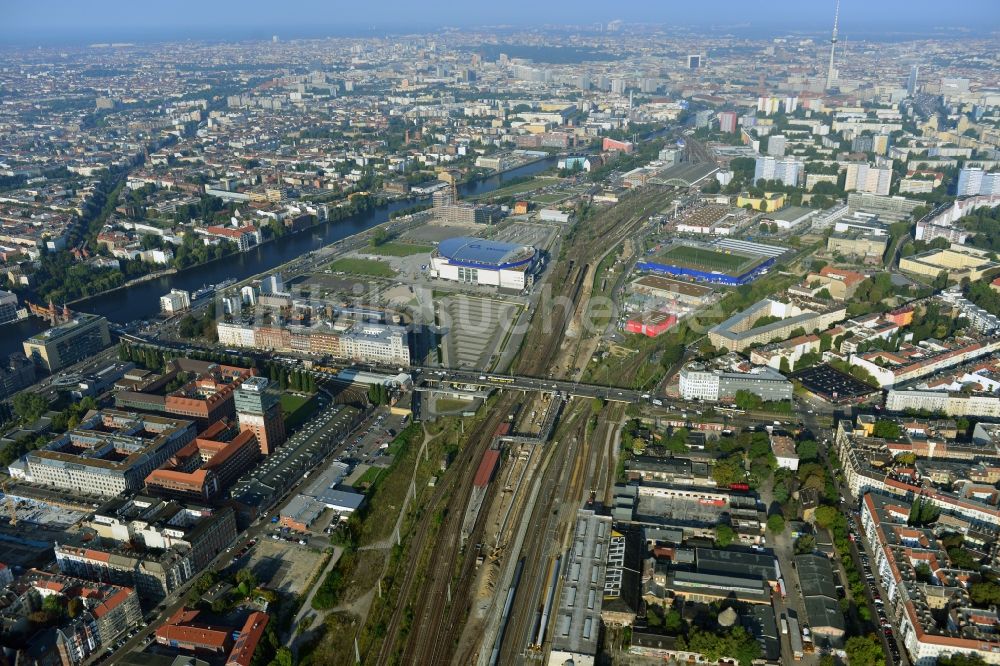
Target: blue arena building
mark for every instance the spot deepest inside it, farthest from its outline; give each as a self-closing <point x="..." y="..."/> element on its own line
<point x="484" y="261"/>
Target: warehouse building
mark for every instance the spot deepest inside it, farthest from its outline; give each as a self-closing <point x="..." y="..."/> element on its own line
<point x="481" y="261"/>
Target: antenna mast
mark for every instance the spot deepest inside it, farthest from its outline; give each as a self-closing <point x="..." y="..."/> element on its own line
<point x="833" y="47"/>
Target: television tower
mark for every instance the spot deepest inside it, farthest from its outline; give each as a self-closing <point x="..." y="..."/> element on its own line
<point x="833" y="47"/>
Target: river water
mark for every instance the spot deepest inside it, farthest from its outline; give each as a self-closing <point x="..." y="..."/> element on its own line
<point x="142" y="301"/>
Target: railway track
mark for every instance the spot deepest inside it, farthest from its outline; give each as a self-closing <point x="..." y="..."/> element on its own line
<point x="453" y="496"/>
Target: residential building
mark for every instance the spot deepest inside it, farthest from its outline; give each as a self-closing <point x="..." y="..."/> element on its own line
<point x="900" y="550"/>
<point x="106" y="612"/>
<point x="974" y="181"/>
<point x="19" y="373"/>
<point x="152" y="545"/>
<point x="865" y="177"/>
<point x="740" y="331"/>
<point x="727" y="121"/>
<point x="788" y="171"/>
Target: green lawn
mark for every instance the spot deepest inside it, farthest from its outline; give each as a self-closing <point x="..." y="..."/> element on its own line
<point x="297" y="409"/>
<point x="370" y="476"/>
<point x="451" y="404"/>
<point x="363" y="267"/>
<point x="394" y="249"/>
<point x="704" y="259"/>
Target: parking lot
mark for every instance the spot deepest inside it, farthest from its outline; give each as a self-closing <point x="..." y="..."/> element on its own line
<point x="370" y="445"/>
<point x="832" y="384"/>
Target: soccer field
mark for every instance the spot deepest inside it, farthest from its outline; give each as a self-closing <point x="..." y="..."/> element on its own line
<point x="699" y="258"/>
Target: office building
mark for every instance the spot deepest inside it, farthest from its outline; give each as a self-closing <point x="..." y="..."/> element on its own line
<point x="974" y="181"/>
<point x="8" y="307"/>
<point x="206" y="467"/>
<point x="698" y="382"/>
<point x="258" y="408"/>
<point x="80" y="338"/>
<point x="205" y="399"/>
<point x="108" y="453"/>
<point x="694" y="61"/>
<point x="177" y="300"/>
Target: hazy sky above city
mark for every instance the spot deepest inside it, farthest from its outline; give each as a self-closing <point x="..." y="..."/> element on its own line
<point x="128" y="20"/>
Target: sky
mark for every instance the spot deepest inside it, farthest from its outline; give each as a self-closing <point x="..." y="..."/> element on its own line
<point x="81" y="21"/>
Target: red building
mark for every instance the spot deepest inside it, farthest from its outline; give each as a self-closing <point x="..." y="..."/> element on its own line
<point x="652" y="325"/>
<point x="208" y="465"/>
<point x="610" y="145"/>
<point x="727" y="122"/>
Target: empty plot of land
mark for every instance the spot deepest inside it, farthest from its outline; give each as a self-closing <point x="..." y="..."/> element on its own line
<point x="704" y="259"/>
<point x="362" y="267"/>
<point x="395" y="249"/>
<point x="434" y="232"/>
<point x="283" y="566"/>
<point x="474" y="328"/>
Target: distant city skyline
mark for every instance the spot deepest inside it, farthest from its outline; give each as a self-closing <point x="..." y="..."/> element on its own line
<point x="49" y="21"/>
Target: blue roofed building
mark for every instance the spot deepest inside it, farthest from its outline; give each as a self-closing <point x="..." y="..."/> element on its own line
<point x="485" y="262"/>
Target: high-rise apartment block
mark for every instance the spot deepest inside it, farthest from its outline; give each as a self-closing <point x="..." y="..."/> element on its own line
<point x="258" y="408"/>
<point x="864" y="177"/>
<point x="770" y="168"/>
<point x="727" y="121"/>
<point x="776" y="145"/>
<point x="974" y="181"/>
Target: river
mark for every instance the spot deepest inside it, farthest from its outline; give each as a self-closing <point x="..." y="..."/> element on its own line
<point x="142" y="301"/>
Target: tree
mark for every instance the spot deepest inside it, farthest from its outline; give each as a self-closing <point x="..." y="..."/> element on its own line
<point x="30" y="406"/>
<point x="747" y="400"/>
<point x="737" y="644"/>
<point x="826" y="516"/>
<point x="886" y="429"/>
<point x="984" y="594"/>
<point x="808" y="450"/>
<point x="805" y="544"/>
<point x="724" y="535"/>
<point x="959" y="659"/>
<point x="864" y="651"/>
<point x="775" y="523"/>
<point x="729" y="471"/>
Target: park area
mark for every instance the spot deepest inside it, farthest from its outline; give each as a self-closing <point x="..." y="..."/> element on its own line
<point x="708" y="260"/>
